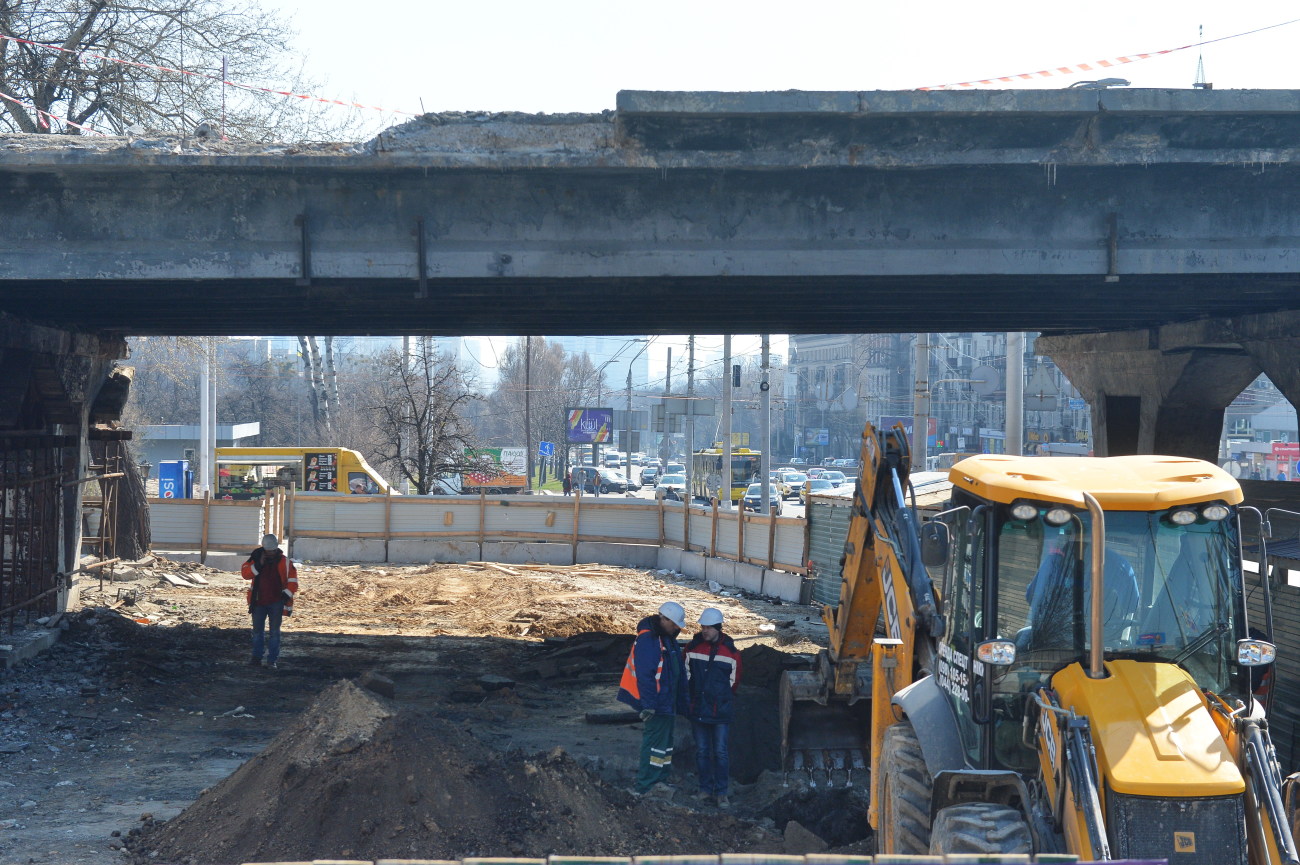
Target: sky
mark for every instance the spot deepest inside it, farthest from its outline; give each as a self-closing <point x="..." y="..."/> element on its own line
<point x="575" y="55"/>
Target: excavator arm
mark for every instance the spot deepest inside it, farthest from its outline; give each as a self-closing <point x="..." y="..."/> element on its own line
<point x="829" y="715"/>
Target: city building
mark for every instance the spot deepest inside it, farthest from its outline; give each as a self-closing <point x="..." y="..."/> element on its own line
<point x="843" y="380"/>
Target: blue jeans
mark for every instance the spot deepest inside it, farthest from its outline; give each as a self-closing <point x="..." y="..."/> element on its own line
<point x="711" y="757"/>
<point x="271" y="613"/>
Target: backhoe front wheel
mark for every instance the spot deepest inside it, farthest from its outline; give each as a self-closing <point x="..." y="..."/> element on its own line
<point x="979" y="828"/>
<point x="903" y="791"/>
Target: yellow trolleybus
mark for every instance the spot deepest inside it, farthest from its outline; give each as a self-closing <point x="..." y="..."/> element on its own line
<point x="708" y="478"/>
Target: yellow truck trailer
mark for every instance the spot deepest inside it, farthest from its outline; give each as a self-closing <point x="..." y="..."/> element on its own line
<point x="249" y="473"/>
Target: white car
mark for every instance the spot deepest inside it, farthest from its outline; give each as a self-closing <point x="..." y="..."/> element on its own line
<point x="795" y="481"/>
<point x="673" y="486"/>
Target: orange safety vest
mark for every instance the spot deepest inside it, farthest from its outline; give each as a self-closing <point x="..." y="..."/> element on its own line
<point x="288" y="580"/>
<point x="629" y="670"/>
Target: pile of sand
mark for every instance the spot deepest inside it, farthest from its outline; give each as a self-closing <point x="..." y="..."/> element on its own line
<point x="355" y="777"/>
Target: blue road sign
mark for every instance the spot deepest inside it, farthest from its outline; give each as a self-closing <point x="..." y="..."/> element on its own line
<point x="546" y="449"/>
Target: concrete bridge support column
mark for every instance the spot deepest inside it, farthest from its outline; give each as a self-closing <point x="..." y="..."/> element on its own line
<point x="1149" y="399"/>
<point x="52" y="393"/>
<point x="1280" y="361"/>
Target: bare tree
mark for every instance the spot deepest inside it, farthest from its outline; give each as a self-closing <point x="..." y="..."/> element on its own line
<point x="97" y="63"/>
<point x="417" y="410"/>
<point x="557" y="381"/>
<point x="165" y="389"/>
<point x="320" y="398"/>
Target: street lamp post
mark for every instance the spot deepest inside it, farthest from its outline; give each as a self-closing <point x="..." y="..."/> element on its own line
<point x="600" y="386"/>
<point x="627" y="421"/>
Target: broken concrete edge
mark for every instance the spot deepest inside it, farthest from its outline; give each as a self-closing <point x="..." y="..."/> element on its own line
<point x="469" y="139"/>
<point x="20" y="646"/>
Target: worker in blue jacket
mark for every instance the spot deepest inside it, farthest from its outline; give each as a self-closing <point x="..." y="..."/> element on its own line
<point x="712" y="677"/>
<point x="653" y="683"/>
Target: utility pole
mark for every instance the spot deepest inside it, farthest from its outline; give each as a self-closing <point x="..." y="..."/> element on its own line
<point x="528" y="421"/>
<point x="207" y="420"/>
<point x="726" y="481"/>
<point x="1015" y="431"/>
<point x="765" y="399"/>
<point x="690" y="420"/>
<point x="665" y="444"/>
<point x="921" y="403"/>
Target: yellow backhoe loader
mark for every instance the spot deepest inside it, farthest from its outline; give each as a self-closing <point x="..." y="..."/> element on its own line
<point x="1065" y="665"/>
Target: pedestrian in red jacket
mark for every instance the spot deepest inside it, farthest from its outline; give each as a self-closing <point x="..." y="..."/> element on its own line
<point x="275" y="582"/>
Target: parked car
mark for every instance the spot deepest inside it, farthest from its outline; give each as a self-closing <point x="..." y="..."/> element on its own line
<point x="795" y="481"/>
<point x="753" y="500"/>
<point x="615" y="481"/>
<point x="815" y="485"/>
<point x="836" y="477"/>
<point x="673" y="486"/>
<point x="648" y="474"/>
<point x="798" y="461"/>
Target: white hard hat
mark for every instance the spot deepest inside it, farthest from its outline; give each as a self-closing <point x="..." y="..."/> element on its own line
<point x="673" y="612"/>
<point x="711" y="616"/>
<point x="269" y="542"/>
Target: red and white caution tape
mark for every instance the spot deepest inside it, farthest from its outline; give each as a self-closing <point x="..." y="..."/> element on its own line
<point x="44" y="117"/>
<point x="250" y="87"/>
<point x="1096" y="64"/>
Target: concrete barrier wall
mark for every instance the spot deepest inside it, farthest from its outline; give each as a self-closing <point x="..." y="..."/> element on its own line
<point x="508" y="529"/>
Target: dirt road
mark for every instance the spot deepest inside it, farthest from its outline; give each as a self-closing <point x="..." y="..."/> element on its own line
<point x="140" y="708"/>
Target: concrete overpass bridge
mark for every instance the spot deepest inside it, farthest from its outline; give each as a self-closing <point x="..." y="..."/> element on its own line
<point x="1153" y="235"/>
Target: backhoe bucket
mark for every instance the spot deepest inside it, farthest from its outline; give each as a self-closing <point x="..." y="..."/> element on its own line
<point x="823" y="740"/>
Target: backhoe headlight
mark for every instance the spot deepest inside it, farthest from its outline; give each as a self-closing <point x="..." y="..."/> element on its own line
<point x="1215" y="512"/>
<point x="1057" y="516"/>
<point x="1024" y="511"/>
<point x="1255" y="653"/>
<point x="996" y="653"/>
<point x="1183" y="517"/>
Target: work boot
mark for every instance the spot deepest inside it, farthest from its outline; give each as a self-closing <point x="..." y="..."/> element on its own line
<point x="723" y="802"/>
<point x="661" y="793"/>
<point x="273" y="665"/>
<point x="255" y="662"/>
<point x="701" y="796"/>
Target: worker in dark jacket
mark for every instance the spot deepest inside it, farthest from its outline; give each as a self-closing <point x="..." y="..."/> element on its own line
<point x="653" y="683"/>
<point x="712" y="677"/>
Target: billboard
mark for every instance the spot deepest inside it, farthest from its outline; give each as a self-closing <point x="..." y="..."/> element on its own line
<point x="589" y="425"/>
<point x="888" y="421"/>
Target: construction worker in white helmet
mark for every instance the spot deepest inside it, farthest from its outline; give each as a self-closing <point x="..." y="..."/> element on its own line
<point x="712" y="677"/>
<point x="653" y="683"/>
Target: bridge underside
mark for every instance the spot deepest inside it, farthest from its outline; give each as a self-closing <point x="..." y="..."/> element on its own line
<point x="578" y="306"/>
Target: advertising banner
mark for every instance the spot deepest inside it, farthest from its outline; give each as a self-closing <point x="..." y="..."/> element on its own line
<point x="321" y="472"/>
<point x="589" y="425"/>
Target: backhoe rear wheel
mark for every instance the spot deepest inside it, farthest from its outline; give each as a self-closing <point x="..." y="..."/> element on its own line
<point x="903" y="806"/>
<point x="979" y="828"/>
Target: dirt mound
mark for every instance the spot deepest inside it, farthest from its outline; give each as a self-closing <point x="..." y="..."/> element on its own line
<point x="355" y="777"/>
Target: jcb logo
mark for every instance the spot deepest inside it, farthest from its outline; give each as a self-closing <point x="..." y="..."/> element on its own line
<point x="1184" y="842"/>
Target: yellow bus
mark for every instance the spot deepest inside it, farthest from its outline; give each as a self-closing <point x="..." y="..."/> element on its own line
<point x="707" y="475"/>
<point x="249" y="473"/>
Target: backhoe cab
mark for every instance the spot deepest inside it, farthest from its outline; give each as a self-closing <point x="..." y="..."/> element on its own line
<point x="1073" y="673"/>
